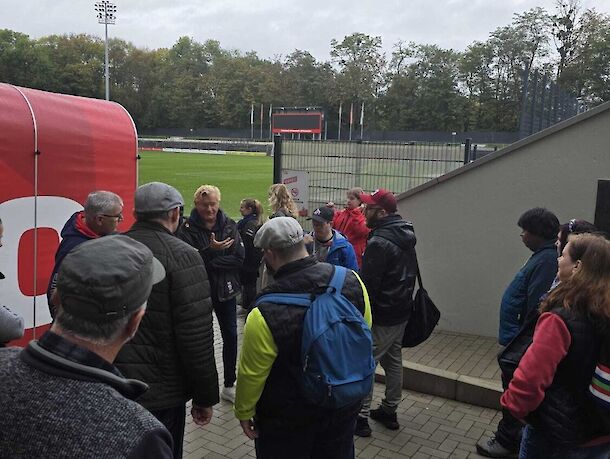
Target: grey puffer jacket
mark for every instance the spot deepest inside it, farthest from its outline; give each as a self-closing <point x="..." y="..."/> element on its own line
<point x="173" y="350"/>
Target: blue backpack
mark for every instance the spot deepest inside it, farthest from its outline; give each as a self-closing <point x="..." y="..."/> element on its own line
<point x="337" y="365"/>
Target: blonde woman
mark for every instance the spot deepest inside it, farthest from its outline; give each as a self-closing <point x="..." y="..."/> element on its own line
<point x="281" y="202"/>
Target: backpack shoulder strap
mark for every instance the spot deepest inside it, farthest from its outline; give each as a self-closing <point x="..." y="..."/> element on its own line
<point x="293" y="299"/>
<point x="337" y="279"/>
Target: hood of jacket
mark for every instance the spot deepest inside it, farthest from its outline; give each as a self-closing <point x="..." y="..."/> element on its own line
<point x="395" y="229"/>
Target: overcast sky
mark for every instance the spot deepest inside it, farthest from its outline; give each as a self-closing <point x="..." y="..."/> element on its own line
<point x="276" y="27"/>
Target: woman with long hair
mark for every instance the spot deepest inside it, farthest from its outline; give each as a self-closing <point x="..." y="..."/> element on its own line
<point x="252" y="212"/>
<point x="281" y="202"/>
<point x="550" y="387"/>
<point x="351" y="223"/>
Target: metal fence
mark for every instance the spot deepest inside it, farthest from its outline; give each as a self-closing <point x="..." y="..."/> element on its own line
<point x="544" y="103"/>
<point x="336" y="166"/>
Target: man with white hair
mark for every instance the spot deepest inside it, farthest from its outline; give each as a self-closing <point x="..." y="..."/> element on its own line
<point x="103" y="211"/>
<point x="61" y="395"/>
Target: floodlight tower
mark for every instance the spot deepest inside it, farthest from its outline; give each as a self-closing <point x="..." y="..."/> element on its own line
<point x="106" y="14"/>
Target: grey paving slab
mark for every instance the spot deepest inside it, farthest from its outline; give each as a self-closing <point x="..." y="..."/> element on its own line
<point x="463" y="354"/>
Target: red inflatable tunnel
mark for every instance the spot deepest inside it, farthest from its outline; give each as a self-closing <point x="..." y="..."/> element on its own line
<point x="54" y="150"/>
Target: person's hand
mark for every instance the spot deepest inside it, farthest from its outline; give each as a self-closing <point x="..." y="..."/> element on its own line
<point x="330" y="204"/>
<point x="308" y="239"/>
<point x="249" y="429"/>
<point x="220" y="245"/>
<point x="202" y="415"/>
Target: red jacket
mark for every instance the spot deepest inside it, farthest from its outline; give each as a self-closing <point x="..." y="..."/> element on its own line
<point x="352" y="224"/>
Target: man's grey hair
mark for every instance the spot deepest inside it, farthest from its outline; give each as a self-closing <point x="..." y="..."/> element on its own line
<point x="101" y="334"/>
<point x="101" y="202"/>
<point x="289" y="253"/>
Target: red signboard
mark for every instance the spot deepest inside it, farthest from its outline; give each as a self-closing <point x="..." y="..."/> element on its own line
<point x="297" y="122"/>
<point x="54" y="150"/>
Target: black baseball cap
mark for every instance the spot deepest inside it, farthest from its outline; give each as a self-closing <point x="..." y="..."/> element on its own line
<point x="322" y="215"/>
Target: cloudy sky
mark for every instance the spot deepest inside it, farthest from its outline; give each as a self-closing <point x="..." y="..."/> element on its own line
<point x="275" y="28"/>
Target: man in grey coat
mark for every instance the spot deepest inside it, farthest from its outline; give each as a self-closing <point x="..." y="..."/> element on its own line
<point x="61" y="396"/>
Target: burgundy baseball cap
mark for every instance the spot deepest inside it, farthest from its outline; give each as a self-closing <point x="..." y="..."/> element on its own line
<point x="382" y="198"/>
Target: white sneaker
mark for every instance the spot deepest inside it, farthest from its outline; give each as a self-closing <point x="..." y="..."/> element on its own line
<point x="228" y="394"/>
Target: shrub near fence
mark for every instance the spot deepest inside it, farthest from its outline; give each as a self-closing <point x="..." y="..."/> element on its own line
<point x="335" y="166"/>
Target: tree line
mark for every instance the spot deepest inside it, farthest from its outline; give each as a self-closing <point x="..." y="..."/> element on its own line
<point x="416" y="87"/>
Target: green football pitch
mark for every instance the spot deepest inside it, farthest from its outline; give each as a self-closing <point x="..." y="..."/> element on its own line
<point x="237" y="176"/>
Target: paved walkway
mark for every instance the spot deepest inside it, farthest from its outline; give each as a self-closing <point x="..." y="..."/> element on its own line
<point x="467" y="355"/>
<point x="430" y="427"/>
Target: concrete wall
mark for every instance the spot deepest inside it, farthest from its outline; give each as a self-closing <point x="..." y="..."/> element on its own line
<point x="469" y="246"/>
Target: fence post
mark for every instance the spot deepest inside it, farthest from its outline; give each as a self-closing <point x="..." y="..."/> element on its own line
<point x="474" y="152"/>
<point x="277" y="158"/>
<point x="467" y="144"/>
<point x="526" y="76"/>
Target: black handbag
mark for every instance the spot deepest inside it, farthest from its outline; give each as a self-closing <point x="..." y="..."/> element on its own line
<point x="511" y="355"/>
<point x="424" y="317"/>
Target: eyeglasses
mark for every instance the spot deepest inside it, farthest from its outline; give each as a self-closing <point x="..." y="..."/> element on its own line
<point x="118" y="217"/>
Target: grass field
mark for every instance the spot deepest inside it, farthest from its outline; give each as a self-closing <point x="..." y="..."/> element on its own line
<point x="237" y="176"/>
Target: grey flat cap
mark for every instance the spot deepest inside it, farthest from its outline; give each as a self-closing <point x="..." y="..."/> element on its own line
<point x="279" y="233"/>
<point x="157" y="197"/>
<point x="107" y="278"/>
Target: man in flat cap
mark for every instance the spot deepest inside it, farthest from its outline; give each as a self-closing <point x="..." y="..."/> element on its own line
<point x="61" y="395"/>
<point x="389" y="269"/>
<point x="173" y="352"/>
<point x="271" y="407"/>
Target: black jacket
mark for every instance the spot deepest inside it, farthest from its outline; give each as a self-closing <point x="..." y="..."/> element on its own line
<point x="173" y="350"/>
<point x="566" y="415"/>
<point x="223" y="266"/>
<point x="281" y="405"/>
<point x="247" y="229"/>
<point x="389" y="269"/>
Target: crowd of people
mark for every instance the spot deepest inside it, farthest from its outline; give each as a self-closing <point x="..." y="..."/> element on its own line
<point x="132" y="338"/>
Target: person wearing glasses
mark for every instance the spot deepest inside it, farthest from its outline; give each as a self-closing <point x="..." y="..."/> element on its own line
<point x="103" y="211"/>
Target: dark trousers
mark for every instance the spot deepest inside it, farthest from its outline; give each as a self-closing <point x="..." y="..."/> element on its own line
<point x="226" y="314"/>
<point x="248" y="294"/>
<point x="509" y="427"/>
<point x="173" y="419"/>
<point x="330" y="438"/>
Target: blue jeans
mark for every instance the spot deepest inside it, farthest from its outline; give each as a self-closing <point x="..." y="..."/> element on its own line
<point x="534" y="445"/>
<point x="226" y="314"/>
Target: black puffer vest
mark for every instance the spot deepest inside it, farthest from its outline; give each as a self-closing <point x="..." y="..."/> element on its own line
<point x="566" y="415"/>
<point x="281" y="406"/>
